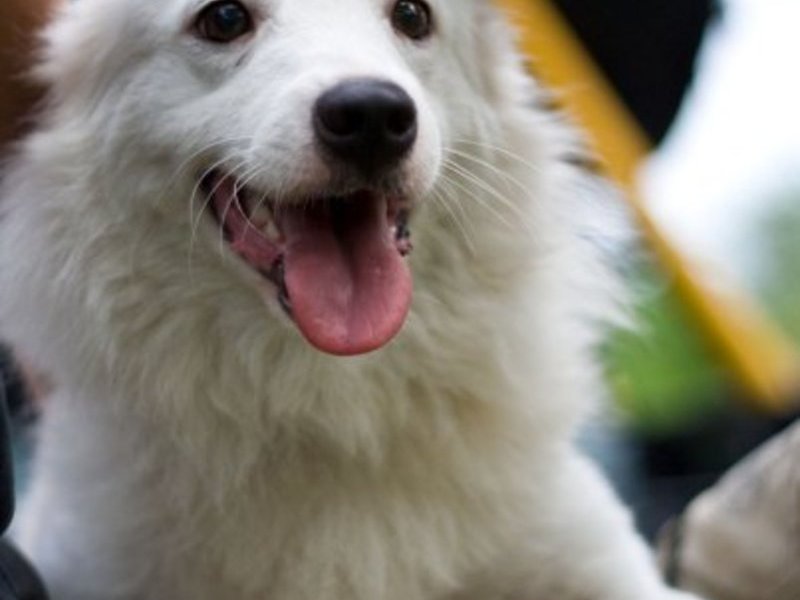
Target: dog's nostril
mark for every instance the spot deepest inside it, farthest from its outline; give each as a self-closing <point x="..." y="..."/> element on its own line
<point x="368" y="123"/>
<point x="401" y="120"/>
<point x="341" y="121"/>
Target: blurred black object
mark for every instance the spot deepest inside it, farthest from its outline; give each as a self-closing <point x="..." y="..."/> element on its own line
<point x="647" y="48"/>
<point x="18" y="581"/>
<point x="677" y="467"/>
<point x="10" y="383"/>
<point x="6" y="466"/>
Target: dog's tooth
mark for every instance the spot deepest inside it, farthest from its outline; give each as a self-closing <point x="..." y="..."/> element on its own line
<point x="270" y="231"/>
<point x="260" y="213"/>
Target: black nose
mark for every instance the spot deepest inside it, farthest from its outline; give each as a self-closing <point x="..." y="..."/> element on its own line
<point x="368" y="123"/>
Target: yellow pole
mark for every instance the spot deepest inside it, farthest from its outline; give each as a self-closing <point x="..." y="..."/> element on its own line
<point x="764" y="361"/>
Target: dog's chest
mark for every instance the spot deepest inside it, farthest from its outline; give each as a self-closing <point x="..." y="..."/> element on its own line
<point x="349" y="535"/>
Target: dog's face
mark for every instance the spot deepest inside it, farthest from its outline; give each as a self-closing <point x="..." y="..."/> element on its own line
<point x="306" y="134"/>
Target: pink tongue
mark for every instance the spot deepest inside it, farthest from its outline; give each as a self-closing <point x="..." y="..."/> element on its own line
<point x="349" y="287"/>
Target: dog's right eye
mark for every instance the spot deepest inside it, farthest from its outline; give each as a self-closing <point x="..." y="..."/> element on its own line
<point x="224" y="22"/>
<point x="413" y="19"/>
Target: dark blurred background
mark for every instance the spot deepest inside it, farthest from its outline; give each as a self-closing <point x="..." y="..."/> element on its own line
<point x="647" y="48"/>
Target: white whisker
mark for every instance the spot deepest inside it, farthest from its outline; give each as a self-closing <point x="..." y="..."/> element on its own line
<point x="471" y="194"/>
<point x="179" y="170"/>
<point x="500" y="150"/>
<point x="443" y="200"/>
<point x="195" y="221"/>
<point x="499" y="173"/>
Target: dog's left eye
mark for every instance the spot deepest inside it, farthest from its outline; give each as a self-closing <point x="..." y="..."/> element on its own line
<point x="224" y="22"/>
<point x="412" y="18"/>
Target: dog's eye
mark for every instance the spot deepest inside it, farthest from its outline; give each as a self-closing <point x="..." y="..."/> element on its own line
<point x="412" y="18"/>
<point x="224" y="22"/>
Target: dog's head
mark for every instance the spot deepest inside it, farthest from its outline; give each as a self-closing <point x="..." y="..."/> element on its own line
<point x="305" y="134"/>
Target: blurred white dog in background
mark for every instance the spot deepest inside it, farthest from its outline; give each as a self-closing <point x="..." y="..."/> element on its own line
<point x="261" y="391"/>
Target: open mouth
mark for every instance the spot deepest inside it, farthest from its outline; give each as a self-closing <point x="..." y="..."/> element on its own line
<point x="337" y="263"/>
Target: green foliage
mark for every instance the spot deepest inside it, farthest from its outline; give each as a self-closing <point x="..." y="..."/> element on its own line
<point x="779" y="279"/>
<point x="662" y="373"/>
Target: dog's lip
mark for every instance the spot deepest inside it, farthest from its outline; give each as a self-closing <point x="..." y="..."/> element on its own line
<point x="246" y="224"/>
<point x="318" y="236"/>
<point x="262" y="214"/>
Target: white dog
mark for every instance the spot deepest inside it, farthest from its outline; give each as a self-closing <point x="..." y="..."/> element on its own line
<point x="207" y="244"/>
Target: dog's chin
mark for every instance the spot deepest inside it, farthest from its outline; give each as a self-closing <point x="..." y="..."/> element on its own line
<point x="336" y="263"/>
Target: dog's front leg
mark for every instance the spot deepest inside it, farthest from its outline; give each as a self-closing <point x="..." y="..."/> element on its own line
<point x="584" y="546"/>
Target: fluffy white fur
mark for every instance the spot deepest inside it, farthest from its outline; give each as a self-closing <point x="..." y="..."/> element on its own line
<point x="196" y="447"/>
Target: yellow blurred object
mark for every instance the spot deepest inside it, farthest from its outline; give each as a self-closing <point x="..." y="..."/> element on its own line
<point x="764" y="361"/>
